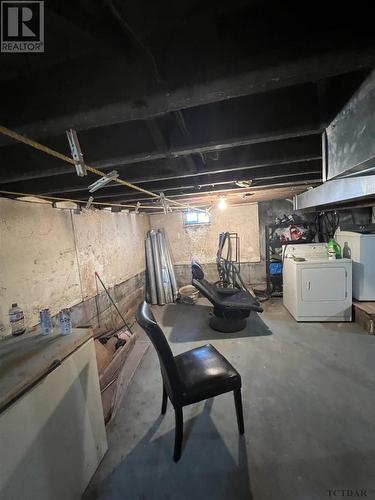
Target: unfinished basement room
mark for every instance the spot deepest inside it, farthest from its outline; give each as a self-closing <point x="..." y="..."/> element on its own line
<point x="187" y="250"/>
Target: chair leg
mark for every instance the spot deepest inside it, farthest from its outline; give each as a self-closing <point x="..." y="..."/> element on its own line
<point x="239" y="411"/>
<point x="164" y="402"/>
<point x="178" y="434"/>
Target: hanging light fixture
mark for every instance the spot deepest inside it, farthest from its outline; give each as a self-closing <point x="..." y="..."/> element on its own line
<point x="65" y="205"/>
<point x="222" y="204"/>
<point x="244" y="184"/>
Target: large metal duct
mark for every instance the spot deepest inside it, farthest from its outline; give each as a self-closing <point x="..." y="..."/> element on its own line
<point x="157" y="267"/>
<point x="167" y="254"/>
<point x="151" y="282"/>
<point x="164" y="269"/>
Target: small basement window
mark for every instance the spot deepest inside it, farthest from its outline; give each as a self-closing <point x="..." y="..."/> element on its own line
<point x="195" y="218"/>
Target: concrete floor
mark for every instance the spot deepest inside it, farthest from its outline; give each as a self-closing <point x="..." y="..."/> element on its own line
<point x="309" y="406"/>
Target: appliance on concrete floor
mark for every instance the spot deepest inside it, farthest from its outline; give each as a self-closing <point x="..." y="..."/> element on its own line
<point x="361" y="249"/>
<point x="315" y="287"/>
<point x="52" y="430"/>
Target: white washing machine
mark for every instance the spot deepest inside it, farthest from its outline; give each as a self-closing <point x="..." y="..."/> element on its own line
<point x="316" y="289"/>
<point x="361" y="249"/>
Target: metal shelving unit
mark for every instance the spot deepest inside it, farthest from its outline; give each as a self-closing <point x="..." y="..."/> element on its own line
<point x="273" y="250"/>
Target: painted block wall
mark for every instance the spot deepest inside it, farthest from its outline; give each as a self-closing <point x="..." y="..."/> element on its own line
<point x="110" y="243"/>
<point x="201" y="241"/>
<point x="48" y="256"/>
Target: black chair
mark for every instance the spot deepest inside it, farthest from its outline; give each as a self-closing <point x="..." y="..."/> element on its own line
<point x="193" y="376"/>
<point x="231" y="305"/>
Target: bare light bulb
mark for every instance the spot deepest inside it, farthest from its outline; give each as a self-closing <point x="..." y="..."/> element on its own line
<point x="222" y="203"/>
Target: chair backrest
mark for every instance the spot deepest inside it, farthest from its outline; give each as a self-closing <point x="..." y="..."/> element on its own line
<point x="196" y="270"/>
<point x="171" y="378"/>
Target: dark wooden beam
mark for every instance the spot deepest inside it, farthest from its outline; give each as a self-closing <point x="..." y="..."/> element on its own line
<point x="311" y="179"/>
<point x="117" y="147"/>
<point x="264" y="157"/>
<point x="158" y="102"/>
<point x="29" y="164"/>
<point x="298" y="172"/>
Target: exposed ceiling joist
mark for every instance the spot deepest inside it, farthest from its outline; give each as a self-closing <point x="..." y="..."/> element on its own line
<point x="245" y="98"/>
<point x="276" y="76"/>
<point x="29" y="165"/>
<point x="238" y="172"/>
<point x="300" y="170"/>
<point x="311" y="179"/>
<point x="257" y="157"/>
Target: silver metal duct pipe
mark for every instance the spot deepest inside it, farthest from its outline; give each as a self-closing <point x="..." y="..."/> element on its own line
<point x="150" y="268"/>
<point x="164" y="270"/>
<point x="348" y="156"/>
<point x="157" y="267"/>
<point x="161" y="280"/>
<point x="350" y="136"/>
<point x="172" y="275"/>
<point x="335" y="192"/>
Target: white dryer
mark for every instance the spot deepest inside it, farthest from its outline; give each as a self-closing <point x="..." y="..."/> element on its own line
<point x="316" y="288"/>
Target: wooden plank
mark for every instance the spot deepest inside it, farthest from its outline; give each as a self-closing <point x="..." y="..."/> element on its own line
<point x="112" y="370"/>
<point x="110" y="320"/>
<point x="271" y="76"/>
<point x="103" y="356"/>
<point x="117" y="376"/>
<point x="364" y="315"/>
<point x="367" y="307"/>
<point x="365" y="321"/>
<point x="125" y="376"/>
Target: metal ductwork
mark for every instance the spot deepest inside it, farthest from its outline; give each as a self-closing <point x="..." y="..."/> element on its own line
<point x="336" y="192"/>
<point x="161" y="285"/>
<point x="348" y="155"/>
<point x="351" y="135"/>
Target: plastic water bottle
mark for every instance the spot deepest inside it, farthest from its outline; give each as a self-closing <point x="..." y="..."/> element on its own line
<point x="45" y="321"/>
<point x="65" y="322"/>
<point x="3" y="332"/>
<point x="17" y="320"/>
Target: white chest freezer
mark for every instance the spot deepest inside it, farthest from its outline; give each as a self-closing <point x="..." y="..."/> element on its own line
<point x="52" y="438"/>
<point x="361" y="249"/>
<point x="316" y="289"/>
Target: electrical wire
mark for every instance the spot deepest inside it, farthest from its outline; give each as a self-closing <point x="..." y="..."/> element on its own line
<point x="51" y="152"/>
<point x="327" y="224"/>
<point x="126" y="324"/>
